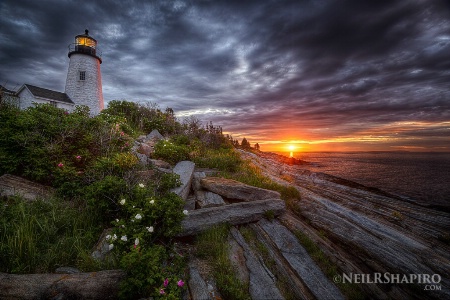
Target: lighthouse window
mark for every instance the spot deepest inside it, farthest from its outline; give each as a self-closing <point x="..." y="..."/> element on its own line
<point x="82" y="75"/>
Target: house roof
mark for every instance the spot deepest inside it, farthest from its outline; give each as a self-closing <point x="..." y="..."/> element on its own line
<point x="47" y="94"/>
<point x="5" y="90"/>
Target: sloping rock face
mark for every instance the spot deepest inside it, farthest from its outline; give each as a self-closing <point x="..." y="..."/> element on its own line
<point x="234" y="214"/>
<point x="233" y="189"/>
<point x="366" y="231"/>
<point x="13" y="185"/>
<point x="261" y="281"/>
<point x="300" y="261"/>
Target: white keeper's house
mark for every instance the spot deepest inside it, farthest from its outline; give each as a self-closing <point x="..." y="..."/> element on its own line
<point x="83" y="83"/>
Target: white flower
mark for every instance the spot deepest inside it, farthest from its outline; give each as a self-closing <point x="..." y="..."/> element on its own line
<point x="122" y="202"/>
<point x="185" y="212"/>
<point x="152" y="201"/>
<point x="141" y="185"/>
<point x="136" y="241"/>
<point x="138" y="216"/>
<point x="111" y="246"/>
<point x="134" y="206"/>
<point x="124" y="238"/>
<point x="114" y="237"/>
<point x="117" y="220"/>
<point x="123" y="226"/>
<point x="108" y="237"/>
<point x="150" y="229"/>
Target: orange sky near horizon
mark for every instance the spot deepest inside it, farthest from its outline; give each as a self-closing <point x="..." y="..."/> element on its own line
<point x="396" y="136"/>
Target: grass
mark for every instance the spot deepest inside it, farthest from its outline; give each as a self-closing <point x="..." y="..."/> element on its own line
<point x="40" y="236"/>
<point x="212" y="245"/>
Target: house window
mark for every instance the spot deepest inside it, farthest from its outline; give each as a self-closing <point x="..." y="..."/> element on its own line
<point x="53" y="103"/>
<point x="82" y="75"/>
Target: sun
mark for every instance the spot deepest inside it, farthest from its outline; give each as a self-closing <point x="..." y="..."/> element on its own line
<point x="291" y="147"/>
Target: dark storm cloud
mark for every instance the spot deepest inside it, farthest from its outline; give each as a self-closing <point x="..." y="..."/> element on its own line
<point x="321" y="69"/>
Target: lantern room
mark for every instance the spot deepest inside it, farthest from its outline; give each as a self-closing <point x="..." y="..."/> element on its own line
<point x="84" y="44"/>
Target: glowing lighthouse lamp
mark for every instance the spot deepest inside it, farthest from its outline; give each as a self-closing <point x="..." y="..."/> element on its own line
<point x="84" y="79"/>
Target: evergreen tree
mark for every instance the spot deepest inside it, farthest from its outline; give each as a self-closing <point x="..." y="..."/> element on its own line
<point x="245" y="144"/>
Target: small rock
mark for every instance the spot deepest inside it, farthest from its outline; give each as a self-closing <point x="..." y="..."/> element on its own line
<point x="208" y="199"/>
<point x="143" y="159"/>
<point x="198" y="176"/>
<point x="160" y="163"/>
<point x="101" y="249"/>
<point x="145" y="149"/>
<point x="186" y="170"/>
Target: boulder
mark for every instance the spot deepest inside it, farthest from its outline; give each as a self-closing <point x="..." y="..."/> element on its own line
<point x="186" y="170"/>
<point x="208" y="199"/>
<point x="233" y="189"/>
<point x="95" y="285"/>
<point x="13" y="185"/>
<point x="154" y="135"/>
<point x="234" y="214"/>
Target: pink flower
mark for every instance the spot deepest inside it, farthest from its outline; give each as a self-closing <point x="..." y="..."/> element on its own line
<point x="78" y="157"/>
<point x="180" y="283"/>
<point x="161" y="291"/>
<point x="122" y="133"/>
<point x="60" y="165"/>
<point x="166" y="282"/>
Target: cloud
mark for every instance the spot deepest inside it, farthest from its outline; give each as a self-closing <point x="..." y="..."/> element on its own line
<point x="321" y="69"/>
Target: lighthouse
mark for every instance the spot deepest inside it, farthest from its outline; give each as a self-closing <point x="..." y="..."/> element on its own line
<point x="84" y="79"/>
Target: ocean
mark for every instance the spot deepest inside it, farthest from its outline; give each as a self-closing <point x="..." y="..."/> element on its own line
<point x="424" y="177"/>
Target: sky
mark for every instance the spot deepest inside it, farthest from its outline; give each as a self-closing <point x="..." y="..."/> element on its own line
<point x="322" y="75"/>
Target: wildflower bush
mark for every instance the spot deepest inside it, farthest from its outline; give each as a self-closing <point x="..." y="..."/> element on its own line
<point x="149" y="217"/>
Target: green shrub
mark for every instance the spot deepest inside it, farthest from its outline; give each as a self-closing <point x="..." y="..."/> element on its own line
<point x="49" y="145"/>
<point x="103" y="194"/>
<point x="171" y="152"/>
<point x="226" y="159"/>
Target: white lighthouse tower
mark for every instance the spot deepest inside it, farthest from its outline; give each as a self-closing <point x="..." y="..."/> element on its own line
<point x="84" y="79"/>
